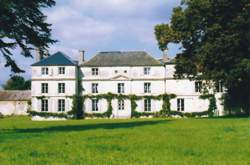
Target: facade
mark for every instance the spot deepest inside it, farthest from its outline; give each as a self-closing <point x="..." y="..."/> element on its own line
<point x="56" y="78"/>
<point x="14" y="102"/>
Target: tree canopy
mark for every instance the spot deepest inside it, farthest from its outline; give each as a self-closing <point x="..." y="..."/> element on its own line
<point x="215" y="39"/>
<point x="22" y="24"/>
<point x="17" y="83"/>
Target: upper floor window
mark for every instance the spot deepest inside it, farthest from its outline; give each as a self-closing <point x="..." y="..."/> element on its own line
<point x="61" y="105"/>
<point x="95" y="104"/>
<point x="219" y="86"/>
<point x="116" y="71"/>
<point x="147" y="71"/>
<point x="120" y="88"/>
<point x="147" y="87"/>
<point x="45" y="71"/>
<point x="180" y="104"/>
<point x="61" y="70"/>
<point x="121" y="105"/>
<point x="125" y="71"/>
<point x="94" y="88"/>
<point x="198" y="86"/>
<point x="95" y="71"/>
<point x="44" y="105"/>
<point x="147" y="105"/>
<point x="61" y="87"/>
<point x="44" y="88"/>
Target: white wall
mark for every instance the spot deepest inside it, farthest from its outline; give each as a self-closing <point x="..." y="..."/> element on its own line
<point x="14" y="107"/>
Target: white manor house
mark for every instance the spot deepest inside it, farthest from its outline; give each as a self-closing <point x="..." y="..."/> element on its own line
<point x="56" y="78"/>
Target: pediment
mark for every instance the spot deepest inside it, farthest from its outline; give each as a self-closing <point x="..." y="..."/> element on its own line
<point x="120" y="77"/>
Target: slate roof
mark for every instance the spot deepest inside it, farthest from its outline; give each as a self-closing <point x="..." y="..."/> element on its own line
<point x="57" y="59"/>
<point x="15" y="95"/>
<point x="130" y="58"/>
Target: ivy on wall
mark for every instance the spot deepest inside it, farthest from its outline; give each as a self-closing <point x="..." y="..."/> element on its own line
<point x="212" y="103"/>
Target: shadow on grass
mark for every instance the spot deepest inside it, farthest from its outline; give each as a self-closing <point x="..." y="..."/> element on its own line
<point x="85" y="127"/>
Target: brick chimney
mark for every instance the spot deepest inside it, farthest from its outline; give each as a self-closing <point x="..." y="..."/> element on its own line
<point x="81" y="56"/>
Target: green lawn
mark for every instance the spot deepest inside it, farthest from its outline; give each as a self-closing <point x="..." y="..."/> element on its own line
<point x="138" y="141"/>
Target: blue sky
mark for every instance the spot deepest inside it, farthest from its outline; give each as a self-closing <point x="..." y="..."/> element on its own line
<point x="106" y="25"/>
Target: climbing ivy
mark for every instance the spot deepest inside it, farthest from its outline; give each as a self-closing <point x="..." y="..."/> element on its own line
<point x="212" y="103"/>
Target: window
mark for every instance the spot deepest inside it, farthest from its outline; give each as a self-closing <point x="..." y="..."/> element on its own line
<point x="120" y="88"/>
<point x="180" y="104"/>
<point x="198" y="86"/>
<point x="95" y="71"/>
<point x="147" y="105"/>
<point x="147" y="87"/>
<point x="94" y="88"/>
<point x="125" y="71"/>
<point x="61" y="105"/>
<point x="116" y="71"/>
<point x="61" y="70"/>
<point x="219" y="86"/>
<point x="44" y="105"/>
<point x="121" y="105"/>
<point x="61" y="87"/>
<point x="45" y="71"/>
<point x="44" y="87"/>
<point x="94" y="104"/>
<point x="146" y="71"/>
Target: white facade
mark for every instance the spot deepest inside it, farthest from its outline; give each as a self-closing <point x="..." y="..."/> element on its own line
<point x="107" y="79"/>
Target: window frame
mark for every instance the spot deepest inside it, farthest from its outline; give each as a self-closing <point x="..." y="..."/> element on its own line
<point x="219" y="87"/>
<point x="61" y="105"/>
<point x="95" y="71"/>
<point x="94" y="103"/>
<point x="94" y="87"/>
<point x="146" y="70"/>
<point x="147" y="105"/>
<point x="198" y="86"/>
<point x="61" y="87"/>
<point x="180" y="104"/>
<point x="121" y="88"/>
<point x="121" y="105"/>
<point x="45" y="71"/>
<point x="44" y="105"/>
<point x="61" y="70"/>
<point x="147" y="87"/>
<point x="44" y="88"/>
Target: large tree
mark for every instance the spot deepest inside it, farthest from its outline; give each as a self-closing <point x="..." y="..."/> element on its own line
<point x="215" y="39"/>
<point x="22" y="24"/>
<point x="17" y="83"/>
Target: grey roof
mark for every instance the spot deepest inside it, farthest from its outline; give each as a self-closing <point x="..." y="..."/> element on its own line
<point x="57" y="59"/>
<point x="169" y="62"/>
<point x="15" y="95"/>
<point x="130" y="58"/>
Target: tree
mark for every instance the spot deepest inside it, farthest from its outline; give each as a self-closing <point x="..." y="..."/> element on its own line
<point x="17" y="83"/>
<point x="215" y="38"/>
<point x="22" y="24"/>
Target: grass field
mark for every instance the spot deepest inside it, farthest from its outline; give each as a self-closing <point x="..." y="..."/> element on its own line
<point x="138" y="141"/>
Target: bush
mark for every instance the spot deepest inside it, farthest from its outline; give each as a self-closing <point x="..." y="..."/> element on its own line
<point x="1" y="115"/>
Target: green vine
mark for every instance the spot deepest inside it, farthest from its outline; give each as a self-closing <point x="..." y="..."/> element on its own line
<point x="212" y="103"/>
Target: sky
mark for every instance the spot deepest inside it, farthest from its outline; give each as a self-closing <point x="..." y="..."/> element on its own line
<point x="101" y="25"/>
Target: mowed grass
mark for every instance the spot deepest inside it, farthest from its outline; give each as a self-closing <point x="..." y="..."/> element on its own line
<point x="137" y="141"/>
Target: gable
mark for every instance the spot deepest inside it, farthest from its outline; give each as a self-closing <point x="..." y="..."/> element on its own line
<point x="120" y="77"/>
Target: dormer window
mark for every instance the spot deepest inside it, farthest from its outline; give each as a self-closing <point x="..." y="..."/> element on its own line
<point x="45" y="71"/>
<point x="61" y="70"/>
<point x="198" y="86"/>
<point x="147" y="71"/>
<point x="95" y="71"/>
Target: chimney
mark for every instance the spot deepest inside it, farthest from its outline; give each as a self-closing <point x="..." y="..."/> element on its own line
<point x="165" y="57"/>
<point x="39" y="56"/>
<point x="81" y="56"/>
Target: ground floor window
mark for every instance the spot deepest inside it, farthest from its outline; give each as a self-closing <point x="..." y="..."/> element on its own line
<point x="44" y="105"/>
<point x="180" y="104"/>
<point x="61" y="105"/>
<point x="121" y="105"/>
<point x="95" y="104"/>
<point x="147" y="105"/>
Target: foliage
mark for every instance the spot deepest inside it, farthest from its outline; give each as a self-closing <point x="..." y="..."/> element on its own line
<point x="212" y="103"/>
<point x="215" y="38"/>
<point x="22" y="24"/>
<point x="190" y="114"/>
<point x="77" y="107"/>
<point x="17" y="83"/>
<point x="47" y="114"/>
